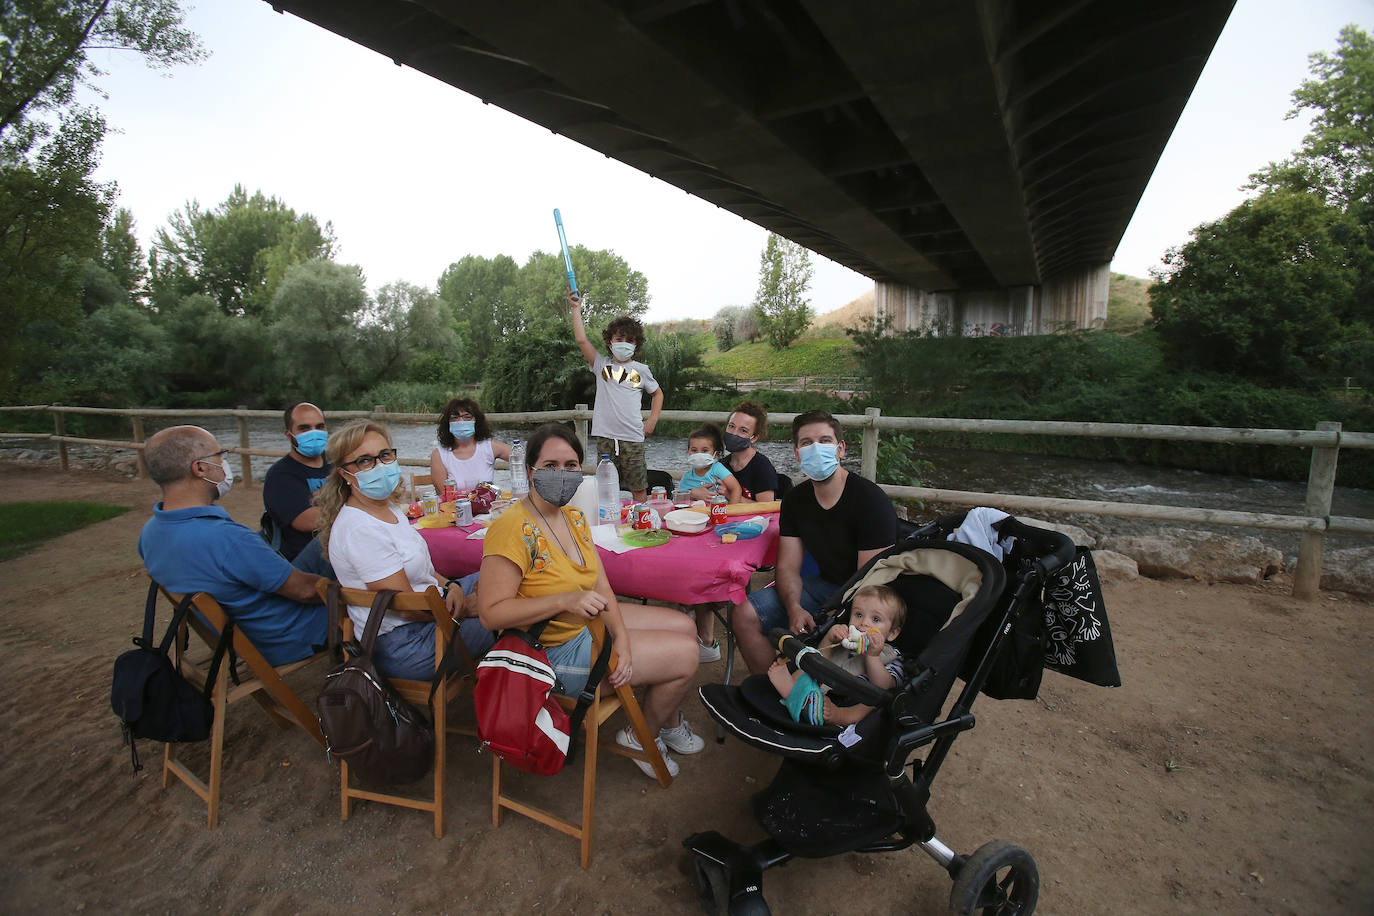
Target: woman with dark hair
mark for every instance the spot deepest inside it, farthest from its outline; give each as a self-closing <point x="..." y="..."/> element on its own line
<point x="539" y="564"/>
<point x="744" y="428"/>
<point x="466" y="449"/>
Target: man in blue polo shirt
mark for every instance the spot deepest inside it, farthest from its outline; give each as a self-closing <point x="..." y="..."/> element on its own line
<point x="192" y="545"/>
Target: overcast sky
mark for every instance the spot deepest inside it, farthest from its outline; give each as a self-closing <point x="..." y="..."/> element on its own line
<point x="414" y="174"/>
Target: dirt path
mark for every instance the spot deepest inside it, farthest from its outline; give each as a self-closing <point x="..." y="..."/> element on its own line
<point x="1232" y="774"/>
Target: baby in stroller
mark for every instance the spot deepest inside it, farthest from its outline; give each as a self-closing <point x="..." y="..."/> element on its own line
<point x="862" y="786"/>
<point x="864" y="648"/>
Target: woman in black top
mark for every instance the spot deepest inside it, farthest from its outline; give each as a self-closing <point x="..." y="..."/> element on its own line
<point x="746" y="425"/>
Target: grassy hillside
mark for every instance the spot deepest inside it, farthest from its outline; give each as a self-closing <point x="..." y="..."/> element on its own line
<point x="808" y="356"/>
<point x="1128" y="303"/>
<point x="850" y="315"/>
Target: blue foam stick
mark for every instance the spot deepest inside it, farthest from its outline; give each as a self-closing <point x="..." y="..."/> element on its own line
<point x="567" y="255"/>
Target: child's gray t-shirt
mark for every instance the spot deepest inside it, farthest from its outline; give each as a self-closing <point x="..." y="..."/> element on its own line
<point x="620" y="389"/>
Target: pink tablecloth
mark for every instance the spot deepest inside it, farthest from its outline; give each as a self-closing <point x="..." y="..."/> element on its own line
<point x="686" y="570"/>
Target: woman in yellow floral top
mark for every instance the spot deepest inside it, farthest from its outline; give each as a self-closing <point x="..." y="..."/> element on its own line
<point x="539" y="561"/>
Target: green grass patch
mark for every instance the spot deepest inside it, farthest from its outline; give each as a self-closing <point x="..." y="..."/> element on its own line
<point x="23" y="526"/>
<point x="1128" y="303"/>
<point x="809" y="356"/>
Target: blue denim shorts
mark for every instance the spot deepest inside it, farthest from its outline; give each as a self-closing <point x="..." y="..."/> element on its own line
<point x="408" y="650"/>
<point x="772" y="615"/>
<point x="572" y="663"/>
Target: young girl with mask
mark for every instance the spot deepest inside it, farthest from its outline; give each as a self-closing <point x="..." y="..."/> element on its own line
<point x="371" y="545"/>
<point x="466" y="449"/>
<point x="705" y="476"/>
<point x="539" y="563"/>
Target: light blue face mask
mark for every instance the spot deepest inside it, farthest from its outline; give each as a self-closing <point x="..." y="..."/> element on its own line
<point x="380" y="480"/>
<point x="463" y="430"/>
<point x="311" y="443"/>
<point x="819" y="460"/>
<point x="622" y="350"/>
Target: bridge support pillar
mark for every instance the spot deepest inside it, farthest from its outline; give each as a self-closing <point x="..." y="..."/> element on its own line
<point x="1068" y="301"/>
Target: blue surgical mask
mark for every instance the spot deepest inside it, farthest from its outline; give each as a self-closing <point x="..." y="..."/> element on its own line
<point x="819" y="460"/>
<point x="380" y="480"/>
<point x="311" y="443"/>
<point x="622" y="350"/>
<point x="463" y="430"/>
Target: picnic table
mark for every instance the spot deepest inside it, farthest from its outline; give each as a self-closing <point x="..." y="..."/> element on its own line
<point x="689" y="569"/>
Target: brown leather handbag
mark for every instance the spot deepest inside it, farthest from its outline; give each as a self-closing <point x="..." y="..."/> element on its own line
<point x="385" y="739"/>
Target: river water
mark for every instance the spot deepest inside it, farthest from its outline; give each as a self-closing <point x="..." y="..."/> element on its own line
<point x="960" y="469"/>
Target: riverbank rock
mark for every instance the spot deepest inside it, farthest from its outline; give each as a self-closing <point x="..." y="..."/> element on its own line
<point x="1076" y="534"/>
<point x="1115" y="567"/>
<point x="1350" y="570"/>
<point x="1177" y="553"/>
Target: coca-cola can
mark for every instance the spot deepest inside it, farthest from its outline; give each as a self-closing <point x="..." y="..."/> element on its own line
<point x="641" y="517"/>
<point x="462" y="512"/>
<point x="718" y="504"/>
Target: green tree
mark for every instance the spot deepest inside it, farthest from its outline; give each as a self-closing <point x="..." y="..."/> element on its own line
<point x="44" y="54"/>
<point x="541" y="369"/>
<point x="482" y="294"/>
<point x="121" y="254"/>
<point x="217" y="359"/>
<point x="403" y="323"/>
<point x="51" y="213"/>
<point x="117" y="357"/>
<point x="1266" y="292"/>
<point x="315" y="317"/>
<point x="781" y="308"/>
<point x="237" y="253"/>
<point x="609" y="287"/>
<point x="1336" y="159"/>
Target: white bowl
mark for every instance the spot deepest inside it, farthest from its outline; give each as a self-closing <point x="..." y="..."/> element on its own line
<point x="686" y="521"/>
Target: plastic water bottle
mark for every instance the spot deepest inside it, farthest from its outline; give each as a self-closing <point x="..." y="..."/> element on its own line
<point x="607" y="492"/>
<point x="519" y="483"/>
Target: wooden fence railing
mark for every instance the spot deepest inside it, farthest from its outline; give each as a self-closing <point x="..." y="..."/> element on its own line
<point x="1325" y="441"/>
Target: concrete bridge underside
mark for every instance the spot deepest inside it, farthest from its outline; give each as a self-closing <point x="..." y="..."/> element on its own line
<point x="974" y="157"/>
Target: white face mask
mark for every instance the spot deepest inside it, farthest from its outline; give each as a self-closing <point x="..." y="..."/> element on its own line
<point x="700" y="461"/>
<point x="622" y="350"/>
<point x="222" y="486"/>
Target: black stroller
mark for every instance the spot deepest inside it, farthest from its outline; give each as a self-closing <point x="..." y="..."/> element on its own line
<point x="849" y="790"/>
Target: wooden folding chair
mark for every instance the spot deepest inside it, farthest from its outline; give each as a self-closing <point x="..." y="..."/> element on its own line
<point x="605" y="705"/>
<point x="420" y="480"/>
<point x="417" y="692"/>
<point x="265" y="686"/>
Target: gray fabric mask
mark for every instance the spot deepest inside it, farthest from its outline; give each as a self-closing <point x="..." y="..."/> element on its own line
<point x="556" y="485"/>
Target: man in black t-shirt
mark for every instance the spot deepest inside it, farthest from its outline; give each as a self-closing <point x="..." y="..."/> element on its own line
<point x="293" y="480"/>
<point x="841" y="519"/>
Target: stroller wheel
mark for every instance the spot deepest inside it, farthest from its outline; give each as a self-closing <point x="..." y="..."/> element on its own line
<point x="1000" y="879"/>
<point x="713" y="893"/>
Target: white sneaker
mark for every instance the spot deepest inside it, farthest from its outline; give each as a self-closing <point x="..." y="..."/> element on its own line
<point x="626" y="738"/>
<point x="709" y="653"/>
<point x="680" y="737"/>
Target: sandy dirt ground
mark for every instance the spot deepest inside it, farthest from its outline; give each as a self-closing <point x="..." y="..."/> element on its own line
<point x="1231" y="774"/>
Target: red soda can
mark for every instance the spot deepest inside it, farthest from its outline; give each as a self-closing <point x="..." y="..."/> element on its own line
<point x="642" y="517"/>
<point x="450" y="490"/>
<point x="718" y="504"/>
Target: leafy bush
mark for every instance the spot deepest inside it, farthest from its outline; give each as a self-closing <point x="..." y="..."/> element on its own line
<point x="406" y="397"/>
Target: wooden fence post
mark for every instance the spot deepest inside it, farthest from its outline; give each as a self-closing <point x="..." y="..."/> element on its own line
<point x="868" y="461"/>
<point x="1321" y="480"/>
<point x="59" y="427"/>
<point x="580" y="425"/>
<point x="244" y="443"/>
<point x="136" y="422"/>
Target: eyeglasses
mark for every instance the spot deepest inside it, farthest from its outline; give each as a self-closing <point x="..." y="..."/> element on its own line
<point x="368" y="462"/>
<point x="219" y="454"/>
<point x="464" y="415"/>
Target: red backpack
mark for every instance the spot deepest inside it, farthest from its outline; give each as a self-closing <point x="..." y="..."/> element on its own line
<point x="517" y="716"/>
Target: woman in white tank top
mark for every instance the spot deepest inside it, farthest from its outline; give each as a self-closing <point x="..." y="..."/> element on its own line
<point x="466" y="449"/>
